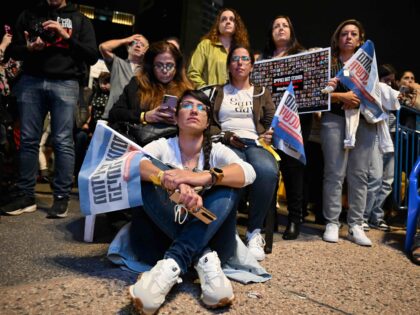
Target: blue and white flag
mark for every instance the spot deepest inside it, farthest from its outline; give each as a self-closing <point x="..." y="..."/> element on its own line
<point x="360" y="74"/>
<point x="287" y="135"/>
<point x="109" y="179"/>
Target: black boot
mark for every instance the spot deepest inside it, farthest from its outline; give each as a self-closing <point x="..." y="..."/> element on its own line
<point x="292" y="231"/>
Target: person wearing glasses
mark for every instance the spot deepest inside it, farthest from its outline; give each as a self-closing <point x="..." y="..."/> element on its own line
<point x="122" y="70"/>
<point x="281" y="42"/>
<point x="242" y="115"/>
<point x="208" y="62"/>
<point x="173" y="246"/>
<point x="162" y="73"/>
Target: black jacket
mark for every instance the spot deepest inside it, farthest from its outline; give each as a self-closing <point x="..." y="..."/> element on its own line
<point x="60" y="59"/>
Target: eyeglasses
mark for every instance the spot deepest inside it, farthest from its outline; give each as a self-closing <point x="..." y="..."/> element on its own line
<point x="189" y="106"/>
<point x="245" y="59"/>
<point x="164" y="67"/>
<point x="138" y="42"/>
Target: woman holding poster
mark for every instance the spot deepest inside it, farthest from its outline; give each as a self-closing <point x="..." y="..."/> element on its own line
<point x="242" y="115"/>
<point x="282" y="42"/>
<point x="343" y="163"/>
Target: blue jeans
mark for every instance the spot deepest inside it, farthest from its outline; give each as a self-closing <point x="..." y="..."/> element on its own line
<point x="36" y="96"/>
<point x="262" y="191"/>
<point x="380" y="182"/>
<point x="186" y="242"/>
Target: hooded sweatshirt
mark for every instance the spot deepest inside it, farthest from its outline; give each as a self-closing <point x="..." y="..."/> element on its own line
<point x="60" y="59"/>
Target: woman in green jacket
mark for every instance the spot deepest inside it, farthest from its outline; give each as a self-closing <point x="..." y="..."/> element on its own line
<point x="208" y="62"/>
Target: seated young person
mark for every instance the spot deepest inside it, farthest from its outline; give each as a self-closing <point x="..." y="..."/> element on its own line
<point x="172" y="247"/>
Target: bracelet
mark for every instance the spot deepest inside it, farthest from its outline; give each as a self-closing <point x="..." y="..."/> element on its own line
<point x="143" y="118"/>
<point x="157" y="179"/>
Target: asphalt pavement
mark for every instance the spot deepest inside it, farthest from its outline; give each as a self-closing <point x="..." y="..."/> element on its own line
<point x="46" y="268"/>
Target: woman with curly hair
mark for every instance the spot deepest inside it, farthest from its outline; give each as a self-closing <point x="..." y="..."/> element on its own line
<point x="208" y="62"/>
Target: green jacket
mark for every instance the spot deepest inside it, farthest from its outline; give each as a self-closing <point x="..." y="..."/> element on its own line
<point x="208" y="64"/>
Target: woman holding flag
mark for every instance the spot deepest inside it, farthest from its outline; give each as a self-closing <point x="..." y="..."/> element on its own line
<point x="242" y="115"/>
<point x="282" y="42"/>
<point x="174" y="246"/>
<point x="339" y="162"/>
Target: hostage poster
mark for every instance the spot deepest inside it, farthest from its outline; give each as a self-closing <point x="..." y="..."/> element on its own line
<point x="309" y="72"/>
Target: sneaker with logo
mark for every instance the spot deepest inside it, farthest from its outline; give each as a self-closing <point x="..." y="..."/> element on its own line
<point x="331" y="233"/>
<point x="256" y="245"/>
<point x="216" y="288"/>
<point x="59" y="209"/>
<point x="149" y="292"/>
<point x="380" y="225"/>
<point x="365" y="226"/>
<point x="358" y="236"/>
<point x="19" y="205"/>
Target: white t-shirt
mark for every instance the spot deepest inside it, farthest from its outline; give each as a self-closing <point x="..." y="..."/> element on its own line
<point x="235" y="113"/>
<point x="167" y="150"/>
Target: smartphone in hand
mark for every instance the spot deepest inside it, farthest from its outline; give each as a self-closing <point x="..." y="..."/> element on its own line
<point x="7" y="29"/>
<point x="169" y="102"/>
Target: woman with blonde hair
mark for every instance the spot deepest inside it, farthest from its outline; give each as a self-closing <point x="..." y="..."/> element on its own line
<point x="208" y="62"/>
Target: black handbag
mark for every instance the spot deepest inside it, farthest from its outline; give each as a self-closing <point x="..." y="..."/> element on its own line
<point x="143" y="134"/>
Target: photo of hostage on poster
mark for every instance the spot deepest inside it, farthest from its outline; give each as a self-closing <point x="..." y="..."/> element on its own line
<point x="309" y="72"/>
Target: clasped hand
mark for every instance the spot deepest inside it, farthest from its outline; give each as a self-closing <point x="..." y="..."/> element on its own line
<point x="184" y="181"/>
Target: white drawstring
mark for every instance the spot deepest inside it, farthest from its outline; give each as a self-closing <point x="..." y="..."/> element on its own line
<point x="178" y="214"/>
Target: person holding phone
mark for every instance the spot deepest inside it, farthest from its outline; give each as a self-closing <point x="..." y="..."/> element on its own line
<point x="172" y="247"/>
<point x="242" y="115"/>
<point x="142" y="101"/>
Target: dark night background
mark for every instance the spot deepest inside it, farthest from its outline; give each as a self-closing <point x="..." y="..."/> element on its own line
<point x="395" y="30"/>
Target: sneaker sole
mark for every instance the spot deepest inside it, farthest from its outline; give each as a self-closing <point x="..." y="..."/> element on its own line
<point x="58" y="215"/>
<point x="23" y="210"/>
<point x="350" y="238"/>
<point x="138" y="304"/>
<point x="222" y="303"/>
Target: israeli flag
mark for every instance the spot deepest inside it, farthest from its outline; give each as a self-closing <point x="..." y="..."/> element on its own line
<point x="287" y="135"/>
<point x="360" y="74"/>
<point x="109" y="179"/>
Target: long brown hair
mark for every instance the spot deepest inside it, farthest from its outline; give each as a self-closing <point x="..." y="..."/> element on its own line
<point x="335" y="51"/>
<point x="151" y="90"/>
<point x="240" y="37"/>
<point x="294" y="46"/>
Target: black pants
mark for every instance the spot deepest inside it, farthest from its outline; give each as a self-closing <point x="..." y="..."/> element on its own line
<point x="293" y="172"/>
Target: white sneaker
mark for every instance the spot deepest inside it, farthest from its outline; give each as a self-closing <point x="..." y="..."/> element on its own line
<point x="365" y="226"/>
<point x="331" y="233"/>
<point x="256" y="245"/>
<point x="149" y="293"/>
<point x="358" y="236"/>
<point x="215" y="286"/>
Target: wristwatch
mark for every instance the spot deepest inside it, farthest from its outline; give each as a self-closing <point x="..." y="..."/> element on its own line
<point x="216" y="175"/>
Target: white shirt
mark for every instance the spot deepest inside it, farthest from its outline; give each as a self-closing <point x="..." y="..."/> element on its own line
<point x="167" y="150"/>
<point x="236" y="114"/>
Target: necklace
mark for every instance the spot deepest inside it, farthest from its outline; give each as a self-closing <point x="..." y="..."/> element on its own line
<point x="190" y="162"/>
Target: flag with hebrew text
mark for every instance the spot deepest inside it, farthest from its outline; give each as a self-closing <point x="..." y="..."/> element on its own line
<point x="287" y="135"/>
